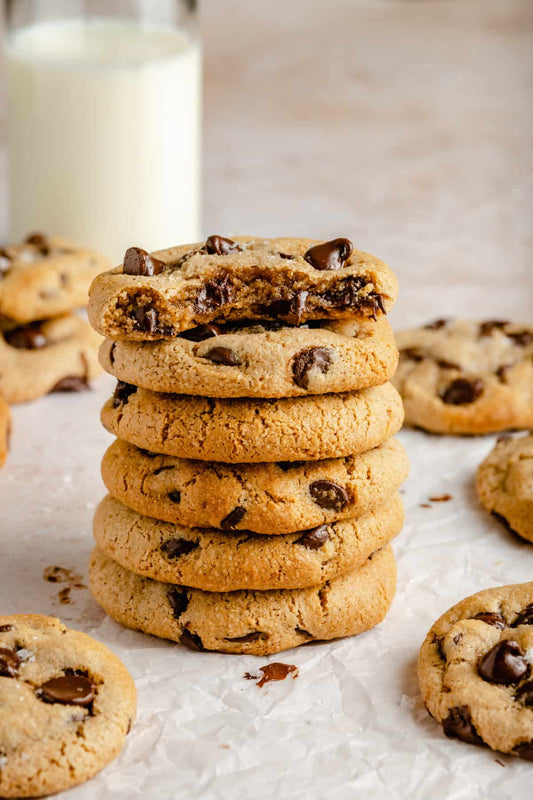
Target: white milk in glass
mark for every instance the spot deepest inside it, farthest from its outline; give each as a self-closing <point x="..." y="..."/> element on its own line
<point x="104" y="133"/>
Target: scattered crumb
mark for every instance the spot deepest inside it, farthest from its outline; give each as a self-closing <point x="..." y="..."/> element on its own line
<point x="497" y="760"/>
<point x="425" y="505"/>
<point x="441" y="498"/>
<point x="272" y="672"/>
<point x="54" y="574"/>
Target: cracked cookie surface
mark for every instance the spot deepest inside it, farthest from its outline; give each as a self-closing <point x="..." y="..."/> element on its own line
<point x="254" y="622"/>
<point x="225" y="561"/>
<point x="59" y="354"/>
<point x="45" y="276"/>
<point x="505" y="484"/>
<point x="244" y="430"/>
<point x="475" y="670"/>
<point x="259" y="359"/>
<point x="155" y="296"/>
<point x="270" y="498"/>
<point x="67" y="704"/>
<point x="467" y="377"/>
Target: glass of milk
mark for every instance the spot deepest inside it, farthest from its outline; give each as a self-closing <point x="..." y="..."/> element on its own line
<point x="104" y="121"/>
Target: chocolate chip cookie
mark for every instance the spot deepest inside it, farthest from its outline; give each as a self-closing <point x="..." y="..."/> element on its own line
<point x="66" y="702"/>
<point x="158" y="295"/>
<point x="259" y="359"/>
<point x="475" y="670"/>
<point x="5" y="430"/>
<point x="45" y="276"/>
<point x="459" y="376"/>
<point x="251" y="622"/>
<point x="505" y="484"/>
<point x="59" y="354"/>
<point x="244" y="430"/>
<point x="269" y="498"/>
<point x="224" y="561"/>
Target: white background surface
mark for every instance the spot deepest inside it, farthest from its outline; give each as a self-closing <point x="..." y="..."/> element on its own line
<point x="406" y="126"/>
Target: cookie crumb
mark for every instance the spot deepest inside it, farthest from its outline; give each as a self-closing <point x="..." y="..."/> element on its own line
<point x="441" y="498"/>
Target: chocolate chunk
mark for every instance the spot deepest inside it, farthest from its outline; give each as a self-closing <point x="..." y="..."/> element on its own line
<point x="525" y="617"/>
<point x="5" y="628"/>
<point x="276" y="671"/>
<point x="200" y="333"/>
<point x="436" y="325"/>
<point x="329" y="255"/>
<point x="223" y="355"/>
<point x="486" y="328"/>
<point x="215" y="294"/>
<point x="462" y="391"/>
<point x="524" y="693"/>
<point x="375" y="302"/>
<point x="521" y="338"/>
<point x="147" y="319"/>
<point x="76" y="690"/>
<point x="248" y="637"/>
<point x="9" y="663"/>
<point x="327" y="494"/>
<point x="315" y="538"/>
<point x="347" y="296"/>
<point x="174" y="548"/>
<point x="287" y="465"/>
<point x="504" y="663"/>
<point x="501" y="372"/>
<point x="138" y="262"/>
<point x="525" y="751"/>
<point x="287" y="256"/>
<point x="233" y="518"/>
<point x="219" y="246"/>
<point x="318" y="358"/>
<point x="27" y="337"/>
<point x="458" y="725"/>
<point x="191" y="640"/>
<point x="290" y="311"/>
<point x="37" y="239"/>
<point x="175" y="495"/>
<point x="491" y="618"/>
<point x="179" y="601"/>
<point x="122" y="393"/>
<point x="71" y="383"/>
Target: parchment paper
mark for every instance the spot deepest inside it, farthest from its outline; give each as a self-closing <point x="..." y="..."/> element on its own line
<point x="351" y="725"/>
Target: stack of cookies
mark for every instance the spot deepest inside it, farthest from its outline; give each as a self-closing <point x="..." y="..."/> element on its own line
<point x="44" y="347"/>
<point x="254" y="479"/>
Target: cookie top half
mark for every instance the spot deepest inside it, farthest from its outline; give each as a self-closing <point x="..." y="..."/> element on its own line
<point x="67" y="703"/>
<point x="476" y="670"/>
<point x="158" y="295"/>
<point x="45" y="276"/>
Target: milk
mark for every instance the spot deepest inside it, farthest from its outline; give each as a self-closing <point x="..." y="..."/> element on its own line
<point x="104" y="133"/>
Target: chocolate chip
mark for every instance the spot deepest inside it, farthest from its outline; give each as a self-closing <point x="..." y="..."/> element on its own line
<point x="147" y="319"/>
<point x="458" y="725"/>
<point x="9" y="663"/>
<point x="138" y="262"/>
<point x="233" y="518"/>
<point x="525" y="693"/>
<point x="191" y="640"/>
<point x="175" y="495"/>
<point x="174" y="548"/>
<point x="27" y="337"/>
<point x="491" y="618"/>
<point x="525" y="617"/>
<point x="436" y="325"/>
<point x="521" y="338"/>
<point x="375" y="302"/>
<point x="76" y="690"/>
<point x="223" y="355"/>
<point x="525" y="751"/>
<point x="413" y="353"/>
<point x="122" y="393"/>
<point x="248" y="637"/>
<point x="291" y="310"/>
<point x="286" y="256"/>
<point x="5" y="628"/>
<point x="71" y="383"/>
<point x="329" y="255"/>
<point x="37" y="239"/>
<point x="200" y="333"/>
<point x="486" y="328"/>
<point x="287" y="465"/>
<point x="315" y="538"/>
<point x="219" y="246"/>
<point x="318" y="358"/>
<point x="214" y="294"/>
<point x="462" y="391"/>
<point x="504" y="663"/>
<point x="501" y="372"/>
<point x="327" y="494"/>
<point x="179" y="601"/>
<point x="112" y="353"/>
